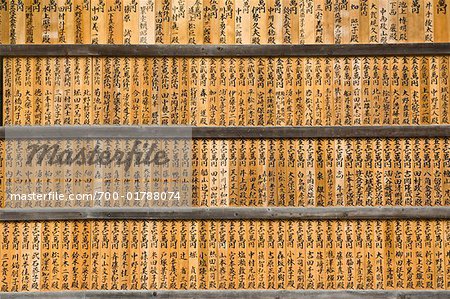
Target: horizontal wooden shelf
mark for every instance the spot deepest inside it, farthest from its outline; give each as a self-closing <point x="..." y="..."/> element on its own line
<point x="324" y="50"/>
<point x="257" y="132"/>
<point x="266" y="294"/>
<point x="228" y="213"/>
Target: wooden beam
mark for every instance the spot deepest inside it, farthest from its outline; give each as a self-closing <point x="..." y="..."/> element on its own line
<point x="233" y="294"/>
<point x="328" y="50"/>
<point x="229" y="213"/>
<point x="257" y="132"/>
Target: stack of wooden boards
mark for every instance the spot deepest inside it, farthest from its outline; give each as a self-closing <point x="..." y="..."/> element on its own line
<point x="231" y="91"/>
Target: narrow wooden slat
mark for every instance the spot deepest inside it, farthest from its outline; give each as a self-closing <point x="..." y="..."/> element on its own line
<point x="1" y="90"/>
<point x="157" y="50"/>
<point x="189" y="213"/>
<point x="266" y="294"/>
<point x="256" y="132"/>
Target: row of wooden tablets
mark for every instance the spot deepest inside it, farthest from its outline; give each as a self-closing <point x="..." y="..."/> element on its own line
<point x="224" y="22"/>
<point x="227" y="91"/>
<point x="124" y="255"/>
<point x="239" y="172"/>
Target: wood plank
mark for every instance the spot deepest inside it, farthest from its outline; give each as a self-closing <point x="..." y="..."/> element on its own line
<point x="188" y="213"/>
<point x="216" y="132"/>
<point x="158" y="50"/>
